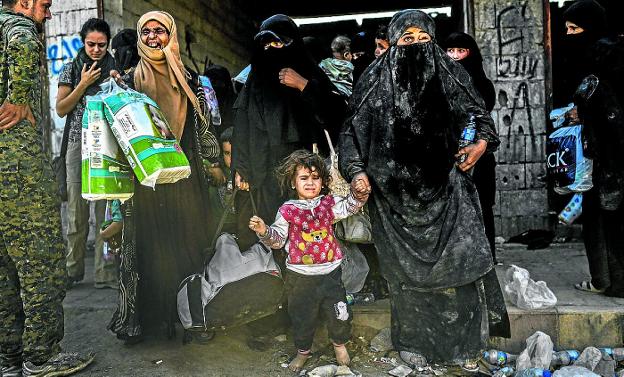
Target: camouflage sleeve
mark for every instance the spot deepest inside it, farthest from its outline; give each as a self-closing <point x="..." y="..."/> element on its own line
<point x="22" y="51"/>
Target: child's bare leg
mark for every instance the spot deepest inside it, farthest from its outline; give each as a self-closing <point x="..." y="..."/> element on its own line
<point x="342" y="355"/>
<point x="299" y="361"/>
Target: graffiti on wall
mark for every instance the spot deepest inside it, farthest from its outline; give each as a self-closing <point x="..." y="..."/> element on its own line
<point x="64" y="49"/>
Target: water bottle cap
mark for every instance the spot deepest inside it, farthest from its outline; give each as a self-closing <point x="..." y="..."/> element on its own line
<point x="547" y="373"/>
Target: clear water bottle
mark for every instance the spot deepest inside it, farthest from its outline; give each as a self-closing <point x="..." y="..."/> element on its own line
<point x="504" y="372"/>
<point x="616" y="353"/>
<point x="360" y="298"/>
<point x="572" y="210"/>
<point x="564" y="358"/>
<point x="499" y="358"/>
<point x="534" y="372"/>
<point x="469" y="133"/>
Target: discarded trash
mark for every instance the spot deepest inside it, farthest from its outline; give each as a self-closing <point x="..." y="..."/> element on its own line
<point x="563" y="358"/>
<point x="360" y="298"/>
<point x="281" y="338"/>
<point x="324" y="371"/>
<point x="616" y="353"/>
<point x="534" y="372"/>
<point x="401" y="371"/>
<point x="596" y="361"/>
<point x="574" y="371"/>
<point x="385" y="360"/>
<point x="157" y="362"/>
<point x="382" y="342"/>
<point x="345" y="371"/>
<point x="537" y="354"/>
<point x="499" y="358"/>
<point x="499" y="240"/>
<point x="525" y="293"/>
<point x="504" y="372"/>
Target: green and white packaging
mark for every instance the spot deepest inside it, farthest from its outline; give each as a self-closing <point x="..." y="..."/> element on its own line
<point x="144" y="136"/>
<point x="105" y="171"/>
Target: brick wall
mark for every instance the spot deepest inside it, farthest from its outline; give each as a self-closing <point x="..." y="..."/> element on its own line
<point x="219" y="30"/>
<point x="511" y="36"/>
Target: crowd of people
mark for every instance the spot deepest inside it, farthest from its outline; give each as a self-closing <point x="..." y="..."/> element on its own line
<point x="395" y="109"/>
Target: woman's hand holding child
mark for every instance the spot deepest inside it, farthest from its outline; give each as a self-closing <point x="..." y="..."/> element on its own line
<point x="361" y="187"/>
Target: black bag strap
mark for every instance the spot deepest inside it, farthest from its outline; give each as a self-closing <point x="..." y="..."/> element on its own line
<point x="65" y="140"/>
<point x="226" y="212"/>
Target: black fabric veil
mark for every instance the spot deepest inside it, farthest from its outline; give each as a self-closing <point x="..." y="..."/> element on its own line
<point x="271" y="119"/>
<point x="473" y="63"/>
<point x="406" y="115"/>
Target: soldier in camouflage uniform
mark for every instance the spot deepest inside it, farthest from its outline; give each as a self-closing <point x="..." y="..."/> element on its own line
<point x="32" y="263"/>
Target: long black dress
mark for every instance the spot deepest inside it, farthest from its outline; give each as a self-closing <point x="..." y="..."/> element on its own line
<point x="272" y="120"/>
<point x="166" y="232"/>
<point x="484" y="173"/>
<point x="408" y="111"/>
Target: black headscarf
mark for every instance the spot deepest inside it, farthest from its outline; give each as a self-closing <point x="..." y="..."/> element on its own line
<point x="576" y="49"/>
<point x="316" y="49"/>
<point x="125" y="46"/>
<point x="409" y="109"/>
<point x="221" y="81"/>
<point x="362" y="42"/>
<point x="107" y="63"/>
<point x="276" y="111"/>
<point x="473" y="63"/>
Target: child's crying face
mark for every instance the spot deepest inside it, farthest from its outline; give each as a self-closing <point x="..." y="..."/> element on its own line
<point x="307" y="183"/>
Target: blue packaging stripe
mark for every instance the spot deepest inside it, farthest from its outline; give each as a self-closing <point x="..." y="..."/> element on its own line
<point x="105" y="173"/>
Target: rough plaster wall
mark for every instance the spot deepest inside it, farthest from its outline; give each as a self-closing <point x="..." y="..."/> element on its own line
<point x="62" y="43"/>
<point x="511" y="37"/>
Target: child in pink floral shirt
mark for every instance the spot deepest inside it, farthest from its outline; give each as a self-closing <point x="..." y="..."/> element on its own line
<point x="303" y="226"/>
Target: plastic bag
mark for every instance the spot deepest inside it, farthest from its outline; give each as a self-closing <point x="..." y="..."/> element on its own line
<point x="574" y="371"/>
<point x="144" y="136"/>
<point x="105" y="170"/>
<point x="537" y="354"/>
<point x="566" y="164"/>
<point x="354" y="268"/>
<point x="572" y="210"/>
<point x="211" y="99"/>
<point x="558" y="116"/>
<point x="525" y="293"/>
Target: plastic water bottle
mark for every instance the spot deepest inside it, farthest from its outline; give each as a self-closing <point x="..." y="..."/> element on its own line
<point x="534" y="372"/>
<point x="468" y="136"/>
<point x="616" y="353"/>
<point x="504" y="372"/>
<point x="572" y="210"/>
<point x="499" y="358"/>
<point x="360" y="298"/>
<point x="564" y="358"/>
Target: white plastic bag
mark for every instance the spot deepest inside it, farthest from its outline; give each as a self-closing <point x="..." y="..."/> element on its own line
<point x="537" y="354"/>
<point x="574" y="372"/>
<point x="525" y="293"/>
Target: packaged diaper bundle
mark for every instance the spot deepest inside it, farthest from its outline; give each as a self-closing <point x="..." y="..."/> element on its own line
<point x="105" y="171"/>
<point x="144" y="136"/>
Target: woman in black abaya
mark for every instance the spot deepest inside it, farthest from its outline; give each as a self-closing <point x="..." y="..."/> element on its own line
<point x="462" y="48"/>
<point x="407" y="113"/>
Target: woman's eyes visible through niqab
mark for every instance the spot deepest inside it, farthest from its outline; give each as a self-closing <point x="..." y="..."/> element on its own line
<point x="413" y="35"/>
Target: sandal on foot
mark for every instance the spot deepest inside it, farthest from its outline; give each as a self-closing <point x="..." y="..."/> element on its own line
<point x="413" y="359"/>
<point x="587" y="286"/>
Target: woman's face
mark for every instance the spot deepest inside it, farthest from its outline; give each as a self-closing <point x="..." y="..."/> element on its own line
<point x="458" y="53"/>
<point x="154" y="35"/>
<point x="572" y="28"/>
<point x="95" y="44"/>
<point x="413" y="35"/>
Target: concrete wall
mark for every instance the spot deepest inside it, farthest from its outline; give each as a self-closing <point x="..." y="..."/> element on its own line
<point x="62" y="43"/>
<point x="511" y="36"/>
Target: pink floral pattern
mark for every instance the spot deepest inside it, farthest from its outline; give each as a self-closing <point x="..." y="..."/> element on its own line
<point x="310" y="234"/>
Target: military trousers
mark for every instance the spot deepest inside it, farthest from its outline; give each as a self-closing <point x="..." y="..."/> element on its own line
<point x="78" y="225"/>
<point x="32" y="262"/>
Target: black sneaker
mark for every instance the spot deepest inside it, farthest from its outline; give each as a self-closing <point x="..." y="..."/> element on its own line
<point x="11" y="371"/>
<point x="63" y="364"/>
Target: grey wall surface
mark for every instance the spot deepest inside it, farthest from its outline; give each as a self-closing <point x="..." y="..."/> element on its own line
<point x="511" y="36"/>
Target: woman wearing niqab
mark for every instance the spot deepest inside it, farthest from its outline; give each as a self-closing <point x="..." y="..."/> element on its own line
<point x="406" y="116"/>
<point x="273" y="117"/>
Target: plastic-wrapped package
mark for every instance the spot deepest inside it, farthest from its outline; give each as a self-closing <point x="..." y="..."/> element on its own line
<point x="525" y="293"/>
<point x="570" y="169"/>
<point x="144" y="136"/>
<point x="105" y="171"/>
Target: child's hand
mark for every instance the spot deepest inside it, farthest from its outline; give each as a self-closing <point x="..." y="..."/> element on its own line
<point x="257" y="225"/>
